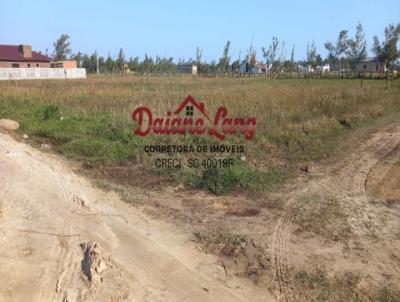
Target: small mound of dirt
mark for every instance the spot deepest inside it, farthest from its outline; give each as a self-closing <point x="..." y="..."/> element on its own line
<point x="244" y="259"/>
<point x="239" y="255"/>
<point x="8" y="125"/>
<point x="384" y="182"/>
<point x="93" y="262"/>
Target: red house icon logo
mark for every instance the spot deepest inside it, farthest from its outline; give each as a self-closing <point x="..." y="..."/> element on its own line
<point x="220" y="126"/>
<point x="190" y="104"/>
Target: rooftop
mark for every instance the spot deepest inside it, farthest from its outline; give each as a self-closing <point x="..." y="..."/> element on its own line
<point x="14" y="53"/>
<point x="369" y="59"/>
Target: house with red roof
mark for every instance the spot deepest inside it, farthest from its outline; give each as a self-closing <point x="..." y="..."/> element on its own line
<point x="21" y="56"/>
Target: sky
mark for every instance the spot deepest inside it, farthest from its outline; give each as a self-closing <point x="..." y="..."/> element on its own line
<point x="174" y="28"/>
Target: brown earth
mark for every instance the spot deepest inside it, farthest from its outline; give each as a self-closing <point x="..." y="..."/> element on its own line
<point x="63" y="240"/>
<point x="333" y="234"/>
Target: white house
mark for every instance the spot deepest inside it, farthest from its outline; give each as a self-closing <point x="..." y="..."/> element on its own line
<point x="307" y="68"/>
<point x="370" y="65"/>
<point x="324" y="68"/>
<point x="258" y="67"/>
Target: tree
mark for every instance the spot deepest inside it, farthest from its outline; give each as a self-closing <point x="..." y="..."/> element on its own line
<point x="95" y="62"/>
<point x="311" y="54"/>
<point x="273" y="56"/>
<point x="235" y="67"/>
<point x="270" y="54"/>
<point x="121" y="61"/>
<point x="318" y="60"/>
<point x="133" y="64"/>
<point x="86" y="62"/>
<point x="109" y="64"/>
<point x="78" y="58"/>
<point x="337" y="50"/>
<point x="199" y="54"/>
<point x="224" y="61"/>
<point x="251" y="56"/>
<point x="100" y="62"/>
<point x="148" y="64"/>
<point x="163" y="65"/>
<point x="90" y="62"/>
<point x="62" y="48"/>
<point x="387" y="51"/>
<point x="291" y="66"/>
<point x="357" y="49"/>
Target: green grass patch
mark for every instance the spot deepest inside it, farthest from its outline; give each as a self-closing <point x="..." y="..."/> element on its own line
<point x="238" y="177"/>
<point x="297" y="121"/>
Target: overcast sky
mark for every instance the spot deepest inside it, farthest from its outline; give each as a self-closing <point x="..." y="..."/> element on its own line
<point x="174" y="28"/>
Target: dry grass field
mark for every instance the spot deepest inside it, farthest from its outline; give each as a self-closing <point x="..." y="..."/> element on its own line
<point x="311" y="214"/>
<point x="297" y="120"/>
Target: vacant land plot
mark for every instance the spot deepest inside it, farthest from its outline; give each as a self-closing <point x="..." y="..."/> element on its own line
<point x="297" y="121"/>
<point x="309" y="211"/>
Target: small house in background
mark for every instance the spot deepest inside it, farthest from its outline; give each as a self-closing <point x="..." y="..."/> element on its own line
<point x="19" y="62"/>
<point x="187" y="69"/>
<point x="64" y="64"/>
<point x="370" y="65"/>
<point x="258" y="67"/>
<point x="305" y="69"/>
<point x="21" y="56"/>
<point x="323" y="68"/>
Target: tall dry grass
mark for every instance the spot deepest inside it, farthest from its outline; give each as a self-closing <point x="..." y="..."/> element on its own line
<point x="297" y="120"/>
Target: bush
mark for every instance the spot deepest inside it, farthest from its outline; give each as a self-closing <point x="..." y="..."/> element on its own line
<point x="47" y="112"/>
<point x="239" y="176"/>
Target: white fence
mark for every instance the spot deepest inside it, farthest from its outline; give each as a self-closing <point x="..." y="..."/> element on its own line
<point x="41" y="73"/>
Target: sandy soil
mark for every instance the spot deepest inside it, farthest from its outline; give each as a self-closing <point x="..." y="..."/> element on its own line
<point x="329" y="233"/>
<point x="336" y="227"/>
<point x="361" y="233"/>
<point x="63" y="240"/>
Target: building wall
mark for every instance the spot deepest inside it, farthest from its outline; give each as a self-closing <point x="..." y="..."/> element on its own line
<point x="41" y="73"/>
<point x="243" y="67"/>
<point x="187" y="69"/>
<point x="64" y="64"/>
<point x="370" y="67"/>
<point x="5" y="64"/>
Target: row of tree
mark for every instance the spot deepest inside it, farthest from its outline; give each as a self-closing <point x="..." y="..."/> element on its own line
<point x="344" y="52"/>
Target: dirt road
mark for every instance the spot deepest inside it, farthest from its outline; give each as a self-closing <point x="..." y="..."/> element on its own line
<point x="63" y="240"/>
<point x="344" y="219"/>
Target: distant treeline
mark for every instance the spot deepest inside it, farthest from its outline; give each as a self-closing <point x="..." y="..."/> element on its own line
<point x="345" y="51"/>
<point x="147" y="65"/>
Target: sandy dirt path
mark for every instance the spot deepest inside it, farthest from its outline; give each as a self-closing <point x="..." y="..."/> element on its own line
<point x="63" y="240"/>
<point x="373" y="220"/>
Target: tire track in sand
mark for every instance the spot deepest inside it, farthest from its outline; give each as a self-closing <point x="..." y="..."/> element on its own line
<point x="351" y="179"/>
